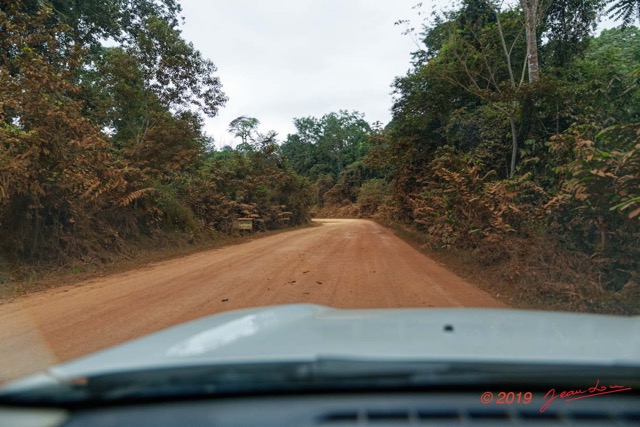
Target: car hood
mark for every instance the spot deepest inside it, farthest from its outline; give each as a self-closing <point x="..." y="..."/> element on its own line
<point x="309" y="332"/>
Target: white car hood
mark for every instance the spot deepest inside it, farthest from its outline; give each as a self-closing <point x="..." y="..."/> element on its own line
<point x="309" y="332"/>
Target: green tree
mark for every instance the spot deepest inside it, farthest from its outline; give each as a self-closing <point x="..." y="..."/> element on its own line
<point x="328" y="144"/>
<point x="245" y="128"/>
<point x="604" y="84"/>
<point x="92" y="21"/>
<point x="567" y="26"/>
<point x="57" y="175"/>
<point x="174" y="70"/>
<point x="625" y="10"/>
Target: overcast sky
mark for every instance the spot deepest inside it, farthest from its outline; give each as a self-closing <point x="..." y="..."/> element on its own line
<point x="280" y="59"/>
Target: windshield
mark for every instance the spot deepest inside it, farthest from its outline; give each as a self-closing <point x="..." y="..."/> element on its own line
<point x="461" y="182"/>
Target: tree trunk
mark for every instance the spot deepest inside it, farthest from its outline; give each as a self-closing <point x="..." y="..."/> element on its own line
<point x="36" y="234"/>
<point x="514" y="149"/>
<point x="530" y="9"/>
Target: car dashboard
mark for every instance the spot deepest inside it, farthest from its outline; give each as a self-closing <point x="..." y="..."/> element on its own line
<point x="340" y="410"/>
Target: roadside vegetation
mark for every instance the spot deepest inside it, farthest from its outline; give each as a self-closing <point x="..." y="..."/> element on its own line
<point x="101" y="143"/>
<point x="513" y="150"/>
<point x="525" y="173"/>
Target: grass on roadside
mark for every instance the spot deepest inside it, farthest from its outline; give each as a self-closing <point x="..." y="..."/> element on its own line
<point x="535" y="276"/>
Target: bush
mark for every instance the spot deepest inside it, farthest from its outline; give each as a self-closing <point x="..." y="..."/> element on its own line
<point x="372" y="195"/>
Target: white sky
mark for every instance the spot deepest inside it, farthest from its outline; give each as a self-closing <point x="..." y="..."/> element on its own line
<point x="281" y="59"/>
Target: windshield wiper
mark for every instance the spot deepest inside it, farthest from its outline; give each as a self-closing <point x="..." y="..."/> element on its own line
<point x="324" y="374"/>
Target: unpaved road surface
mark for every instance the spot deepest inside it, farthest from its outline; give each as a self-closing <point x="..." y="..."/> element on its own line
<point x="342" y="263"/>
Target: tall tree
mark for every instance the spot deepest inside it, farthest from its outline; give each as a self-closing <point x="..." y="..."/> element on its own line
<point x="149" y="30"/>
<point x="174" y="70"/>
<point x="484" y="65"/>
<point x="90" y="22"/>
<point x="327" y="144"/>
<point x="245" y="128"/>
<point x="532" y="14"/>
<point x="56" y="172"/>
<point x="567" y="26"/>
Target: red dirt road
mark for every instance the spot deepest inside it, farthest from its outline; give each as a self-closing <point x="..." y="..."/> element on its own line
<point x="342" y="263"/>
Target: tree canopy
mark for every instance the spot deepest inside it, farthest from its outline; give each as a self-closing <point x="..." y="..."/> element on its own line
<point x="101" y="135"/>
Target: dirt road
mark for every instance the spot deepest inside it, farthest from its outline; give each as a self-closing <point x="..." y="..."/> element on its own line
<point x="342" y="263"/>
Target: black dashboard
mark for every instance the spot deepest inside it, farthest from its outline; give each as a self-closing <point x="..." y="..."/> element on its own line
<point x="347" y="409"/>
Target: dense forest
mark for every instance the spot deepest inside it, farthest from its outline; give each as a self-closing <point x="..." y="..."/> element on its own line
<point x="514" y="139"/>
<point x="101" y="140"/>
<point x="515" y="142"/>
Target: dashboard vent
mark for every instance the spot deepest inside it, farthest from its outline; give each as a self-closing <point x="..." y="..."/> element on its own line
<point x="481" y="416"/>
<point x="488" y="414"/>
<point x="398" y="416"/>
<point x="340" y="417"/>
<point x="438" y="415"/>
